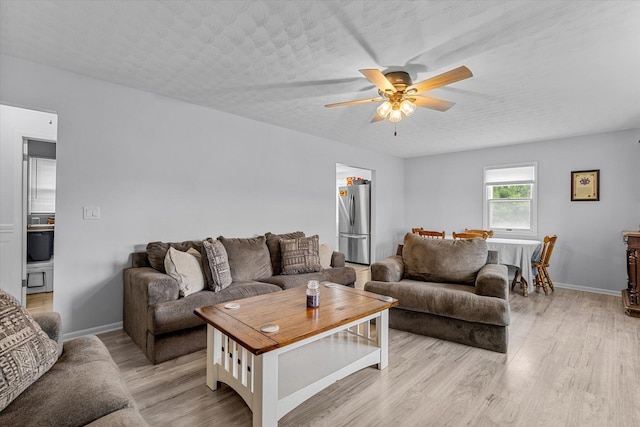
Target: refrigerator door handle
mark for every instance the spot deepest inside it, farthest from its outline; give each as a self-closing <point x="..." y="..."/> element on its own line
<point x="352" y="210"/>
<point x="354" y="236"/>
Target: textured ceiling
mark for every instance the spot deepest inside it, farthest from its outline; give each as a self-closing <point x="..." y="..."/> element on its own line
<point x="542" y="69"/>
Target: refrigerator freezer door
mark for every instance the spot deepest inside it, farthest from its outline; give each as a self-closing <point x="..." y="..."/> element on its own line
<point x="355" y="247"/>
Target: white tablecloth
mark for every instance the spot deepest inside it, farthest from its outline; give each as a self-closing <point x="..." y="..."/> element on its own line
<point x="517" y="252"/>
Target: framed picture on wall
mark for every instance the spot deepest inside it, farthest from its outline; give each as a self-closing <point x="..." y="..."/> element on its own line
<point x="585" y="186"/>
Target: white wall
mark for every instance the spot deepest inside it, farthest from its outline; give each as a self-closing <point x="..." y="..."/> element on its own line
<point x="16" y="124"/>
<point x="445" y="192"/>
<point x="162" y="169"/>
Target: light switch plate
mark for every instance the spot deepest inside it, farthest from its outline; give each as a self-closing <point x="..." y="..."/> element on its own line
<point x="91" y="212"/>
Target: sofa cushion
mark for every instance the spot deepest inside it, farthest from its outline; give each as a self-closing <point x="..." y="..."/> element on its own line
<point x="273" y="243"/>
<point x="157" y="251"/>
<point x="177" y="315"/>
<point x="26" y="352"/>
<point x="84" y="385"/>
<point x="186" y="269"/>
<point x="445" y="299"/>
<point x="216" y="265"/>
<point x="437" y="260"/>
<point x="300" y="255"/>
<point x="248" y="258"/>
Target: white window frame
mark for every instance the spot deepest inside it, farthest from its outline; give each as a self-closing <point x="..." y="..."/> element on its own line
<point x="534" y="200"/>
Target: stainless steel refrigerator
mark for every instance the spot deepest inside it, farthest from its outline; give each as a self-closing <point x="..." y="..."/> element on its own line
<point x="354" y="223"/>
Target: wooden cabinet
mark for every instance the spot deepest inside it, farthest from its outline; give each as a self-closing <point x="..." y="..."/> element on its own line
<point x="630" y="295"/>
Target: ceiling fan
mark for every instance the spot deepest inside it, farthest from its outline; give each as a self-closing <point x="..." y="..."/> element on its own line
<point x="400" y="95"/>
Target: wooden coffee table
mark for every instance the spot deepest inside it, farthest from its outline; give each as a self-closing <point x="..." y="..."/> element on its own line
<point x="313" y="348"/>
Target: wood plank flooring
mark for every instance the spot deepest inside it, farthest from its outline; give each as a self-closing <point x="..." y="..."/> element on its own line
<point x="573" y="360"/>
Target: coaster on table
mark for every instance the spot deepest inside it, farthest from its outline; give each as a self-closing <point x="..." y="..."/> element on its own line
<point x="330" y="285"/>
<point x="385" y="298"/>
<point x="270" y="327"/>
<point x="232" y="305"/>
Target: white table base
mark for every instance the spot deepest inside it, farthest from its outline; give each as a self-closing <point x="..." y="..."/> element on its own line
<point x="275" y="382"/>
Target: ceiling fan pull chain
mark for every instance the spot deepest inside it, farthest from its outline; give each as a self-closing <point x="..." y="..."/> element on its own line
<point x="395" y="129"/>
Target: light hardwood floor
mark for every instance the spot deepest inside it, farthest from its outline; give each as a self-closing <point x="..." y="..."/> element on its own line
<point x="572" y="361"/>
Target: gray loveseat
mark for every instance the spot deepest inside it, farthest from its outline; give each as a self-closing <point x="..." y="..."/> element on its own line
<point x="447" y="289"/>
<point x="164" y="325"/>
<point x="83" y="387"/>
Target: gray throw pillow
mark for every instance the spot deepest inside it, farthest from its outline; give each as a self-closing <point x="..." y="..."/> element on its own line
<point x="300" y="255"/>
<point x="26" y="352"/>
<point x="157" y="251"/>
<point x="444" y="261"/>
<point x="248" y="258"/>
<point x="273" y="243"/>
<point x="216" y="265"/>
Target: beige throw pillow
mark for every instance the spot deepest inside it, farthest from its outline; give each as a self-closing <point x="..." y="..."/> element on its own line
<point x="186" y="269"/>
<point x="26" y="352"/>
<point x="300" y="255"/>
<point x="326" y="251"/>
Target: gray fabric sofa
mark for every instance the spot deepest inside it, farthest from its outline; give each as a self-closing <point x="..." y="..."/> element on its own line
<point x="164" y="325"/>
<point x="83" y="387"/>
<point x="448" y="289"/>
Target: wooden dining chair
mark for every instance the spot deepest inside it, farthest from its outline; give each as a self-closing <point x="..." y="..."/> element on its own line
<point x="469" y="235"/>
<point x="489" y="232"/>
<point x="542" y="279"/>
<point x="431" y="234"/>
<point x="416" y="230"/>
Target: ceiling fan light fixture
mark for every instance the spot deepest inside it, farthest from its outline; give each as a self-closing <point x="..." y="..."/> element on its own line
<point x="407" y="107"/>
<point x="395" y="116"/>
<point x="384" y="109"/>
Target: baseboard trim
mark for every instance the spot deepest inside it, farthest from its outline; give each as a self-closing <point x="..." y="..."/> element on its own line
<point x="588" y="289"/>
<point x="92" y="331"/>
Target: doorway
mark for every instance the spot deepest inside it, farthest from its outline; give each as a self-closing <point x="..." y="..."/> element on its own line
<point x="354" y="213"/>
<point x="19" y="125"/>
<point x="40" y="189"/>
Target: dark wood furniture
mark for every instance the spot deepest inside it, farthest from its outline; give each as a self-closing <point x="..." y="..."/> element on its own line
<point x="630" y="295"/>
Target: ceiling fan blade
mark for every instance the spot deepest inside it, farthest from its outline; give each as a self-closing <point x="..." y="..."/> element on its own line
<point x="443" y="79"/>
<point x="358" y="101"/>
<point x="377" y="78"/>
<point x="433" y="103"/>
<point x="376" y="118"/>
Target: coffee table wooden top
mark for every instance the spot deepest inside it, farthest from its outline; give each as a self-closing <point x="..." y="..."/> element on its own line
<point x="339" y="305"/>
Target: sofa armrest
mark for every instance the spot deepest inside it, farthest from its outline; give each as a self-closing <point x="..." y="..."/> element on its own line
<point x="492" y="281"/>
<point x="51" y="324"/>
<point x="390" y="269"/>
<point x="149" y="286"/>
<point x="337" y="259"/>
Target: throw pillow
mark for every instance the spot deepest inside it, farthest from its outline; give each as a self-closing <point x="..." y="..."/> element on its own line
<point x="216" y="265"/>
<point x="157" y="251"/>
<point x="445" y="261"/>
<point x="300" y="255"/>
<point x="326" y="252"/>
<point x="273" y="243"/>
<point x="186" y="269"/>
<point x="248" y="258"/>
<point x="26" y="352"/>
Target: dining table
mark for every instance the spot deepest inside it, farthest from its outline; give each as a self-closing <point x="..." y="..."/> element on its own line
<point x="518" y="253"/>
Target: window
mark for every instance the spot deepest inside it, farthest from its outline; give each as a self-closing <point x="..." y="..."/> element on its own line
<point x="510" y="201"/>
